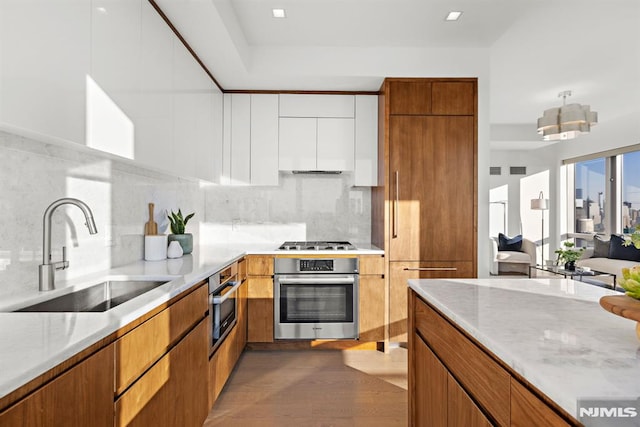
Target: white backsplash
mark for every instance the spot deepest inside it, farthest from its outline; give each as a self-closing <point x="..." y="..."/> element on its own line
<point x="34" y="174"/>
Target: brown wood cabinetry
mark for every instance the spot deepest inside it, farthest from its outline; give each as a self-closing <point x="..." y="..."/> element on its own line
<point x="161" y="366"/>
<point x="372" y="298"/>
<point x="426" y="209"/>
<point x="82" y="396"/>
<point x="143" y="346"/>
<point x="174" y="391"/>
<point x="260" y="298"/>
<point x="455" y="382"/>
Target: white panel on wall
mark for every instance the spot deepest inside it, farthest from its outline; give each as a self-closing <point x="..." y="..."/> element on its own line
<point x="293" y="105"/>
<point x="264" y="139"/>
<point x="335" y="149"/>
<point x="366" y="141"/>
<point x="240" y="138"/>
<point x="45" y="64"/>
<point x="226" y="140"/>
<point x="297" y="143"/>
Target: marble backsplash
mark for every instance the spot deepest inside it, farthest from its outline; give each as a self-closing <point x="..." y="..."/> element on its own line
<point x="33" y="174"/>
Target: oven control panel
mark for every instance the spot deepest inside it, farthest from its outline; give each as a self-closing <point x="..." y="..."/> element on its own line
<point x="316" y="265"/>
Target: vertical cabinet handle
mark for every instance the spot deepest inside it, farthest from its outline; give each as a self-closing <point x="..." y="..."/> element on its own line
<point x="396" y="201"/>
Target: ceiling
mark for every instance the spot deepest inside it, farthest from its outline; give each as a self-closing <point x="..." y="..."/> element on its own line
<point x="524" y="51"/>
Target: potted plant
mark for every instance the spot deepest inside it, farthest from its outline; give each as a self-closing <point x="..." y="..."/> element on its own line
<point x="633" y="238"/>
<point x="178" y="224"/>
<point x="569" y="255"/>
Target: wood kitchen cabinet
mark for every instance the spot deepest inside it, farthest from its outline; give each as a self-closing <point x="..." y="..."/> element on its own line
<point x="161" y="366"/>
<point x="81" y="396"/>
<point x="455" y="382"/>
<point x="372" y="298"/>
<point x="260" y="298"/>
<point x="173" y="392"/>
<point x="424" y="211"/>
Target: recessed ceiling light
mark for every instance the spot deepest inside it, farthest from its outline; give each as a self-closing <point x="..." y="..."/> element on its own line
<point x="453" y="16"/>
<point x="278" y="13"/>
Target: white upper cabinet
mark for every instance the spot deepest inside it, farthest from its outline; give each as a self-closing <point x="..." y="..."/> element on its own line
<point x="297" y="150"/>
<point x="240" y="172"/>
<point x="46" y="54"/>
<point x="366" y="141"/>
<point x="264" y="139"/>
<point x="335" y="144"/>
<point x="317" y="132"/>
<point x="250" y="139"/>
<point x="112" y="75"/>
<point x="337" y="106"/>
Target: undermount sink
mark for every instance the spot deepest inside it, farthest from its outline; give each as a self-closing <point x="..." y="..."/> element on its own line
<point x="101" y="297"/>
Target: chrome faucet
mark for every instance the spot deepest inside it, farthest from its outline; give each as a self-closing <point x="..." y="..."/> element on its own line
<point x="47" y="270"/>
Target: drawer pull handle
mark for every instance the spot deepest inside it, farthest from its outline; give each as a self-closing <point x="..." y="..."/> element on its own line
<point x="431" y="269"/>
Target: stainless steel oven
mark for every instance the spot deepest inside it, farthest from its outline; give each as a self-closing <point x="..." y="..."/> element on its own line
<point x="316" y="298"/>
<point x="223" y="305"/>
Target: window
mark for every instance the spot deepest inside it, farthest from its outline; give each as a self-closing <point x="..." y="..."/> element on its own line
<point x="590" y="184"/>
<point x="630" y="191"/>
<point x="607" y="193"/>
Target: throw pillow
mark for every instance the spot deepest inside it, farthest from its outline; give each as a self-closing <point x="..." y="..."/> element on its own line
<point x="600" y="247"/>
<point x="618" y="251"/>
<point x="510" y="243"/>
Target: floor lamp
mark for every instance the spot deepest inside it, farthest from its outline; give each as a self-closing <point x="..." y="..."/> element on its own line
<point x="541" y="204"/>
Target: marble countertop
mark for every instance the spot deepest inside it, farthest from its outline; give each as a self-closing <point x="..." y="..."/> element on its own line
<point x="553" y="332"/>
<point x="33" y="343"/>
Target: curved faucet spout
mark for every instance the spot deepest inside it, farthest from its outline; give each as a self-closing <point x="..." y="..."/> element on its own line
<point x="47" y="269"/>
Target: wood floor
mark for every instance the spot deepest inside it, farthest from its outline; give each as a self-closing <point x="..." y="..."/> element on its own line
<point x="315" y="388"/>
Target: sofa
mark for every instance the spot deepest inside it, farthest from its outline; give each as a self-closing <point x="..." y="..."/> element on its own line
<point x="510" y="261"/>
<point x="609" y="255"/>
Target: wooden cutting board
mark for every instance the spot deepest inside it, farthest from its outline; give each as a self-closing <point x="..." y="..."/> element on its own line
<point x="150" y="227"/>
<point x="624" y="306"/>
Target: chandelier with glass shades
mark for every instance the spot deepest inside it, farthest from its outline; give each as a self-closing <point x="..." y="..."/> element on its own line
<point x="566" y="122"/>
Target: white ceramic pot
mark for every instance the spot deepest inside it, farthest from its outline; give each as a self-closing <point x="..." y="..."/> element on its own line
<point x="174" y="250"/>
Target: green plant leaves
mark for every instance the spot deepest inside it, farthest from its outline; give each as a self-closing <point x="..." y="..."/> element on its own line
<point x="178" y="222"/>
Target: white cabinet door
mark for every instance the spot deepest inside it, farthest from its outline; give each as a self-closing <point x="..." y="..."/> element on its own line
<point x="297" y="144"/>
<point x="240" y="139"/>
<point x="335" y="149"/>
<point x="154" y="119"/>
<point x="264" y="139"/>
<point x="366" y="141"/>
<point x="46" y="54"/>
<point x="292" y="105"/>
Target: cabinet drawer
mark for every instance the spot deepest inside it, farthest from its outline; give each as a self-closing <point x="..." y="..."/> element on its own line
<point x="174" y="391"/>
<point x="371" y="264"/>
<point x="259" y="265"/>
<point x="479" y="374"/>
<point x="140" y="348"/>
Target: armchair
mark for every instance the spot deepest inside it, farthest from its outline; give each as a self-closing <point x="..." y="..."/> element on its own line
<point x="512" y="261"/>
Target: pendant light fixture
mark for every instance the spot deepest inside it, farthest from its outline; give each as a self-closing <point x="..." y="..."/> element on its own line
<point x="566" y="122"/>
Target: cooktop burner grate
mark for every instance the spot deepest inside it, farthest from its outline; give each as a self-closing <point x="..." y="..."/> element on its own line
<point x="317" y="246"/>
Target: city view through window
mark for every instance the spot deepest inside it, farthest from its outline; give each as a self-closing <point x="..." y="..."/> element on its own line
<point x="590" y="180"/>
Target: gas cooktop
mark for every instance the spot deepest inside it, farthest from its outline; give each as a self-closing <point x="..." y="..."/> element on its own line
<point x="317" y="246"/>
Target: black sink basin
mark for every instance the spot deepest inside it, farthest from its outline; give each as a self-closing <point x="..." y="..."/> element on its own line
<point x="101" y="297"/>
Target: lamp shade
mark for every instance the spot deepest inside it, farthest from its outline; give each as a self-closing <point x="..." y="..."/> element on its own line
<point x="540" y="204"/>
<point x="566" y="122"/>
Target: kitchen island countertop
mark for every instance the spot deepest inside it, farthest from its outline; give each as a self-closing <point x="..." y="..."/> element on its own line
<point x="552" y="332"/>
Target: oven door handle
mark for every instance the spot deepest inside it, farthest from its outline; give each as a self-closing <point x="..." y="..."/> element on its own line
<point x="220" y="299"/>
<point x="316" y="280"/>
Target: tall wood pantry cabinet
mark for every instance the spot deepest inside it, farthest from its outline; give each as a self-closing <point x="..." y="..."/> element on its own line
<point x="424" y="209"/>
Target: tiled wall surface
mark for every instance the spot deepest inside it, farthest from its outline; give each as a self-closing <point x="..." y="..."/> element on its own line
<point x="34" y="174"/>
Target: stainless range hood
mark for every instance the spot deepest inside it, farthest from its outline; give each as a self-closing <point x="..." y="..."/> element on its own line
<point x="314" y="172"/>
